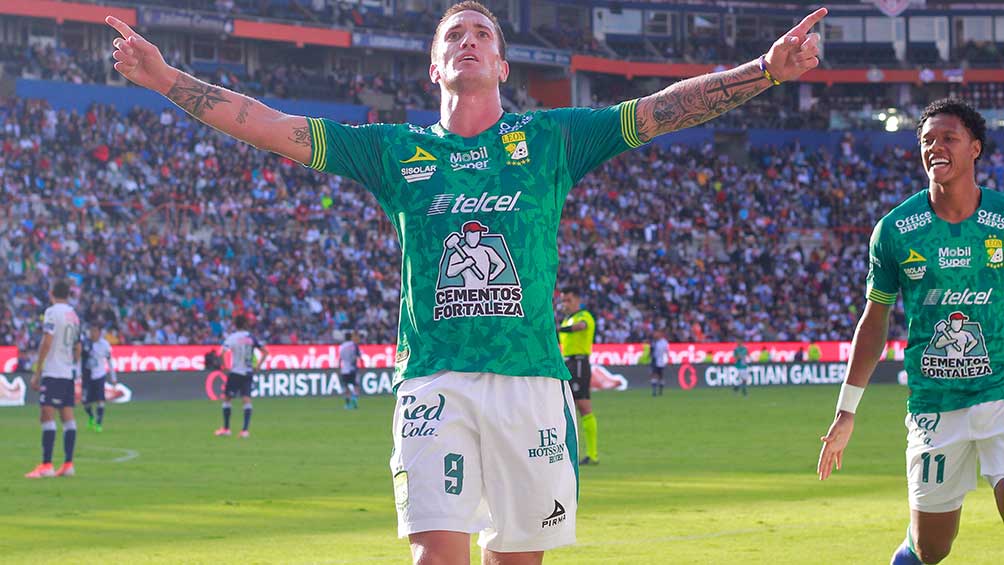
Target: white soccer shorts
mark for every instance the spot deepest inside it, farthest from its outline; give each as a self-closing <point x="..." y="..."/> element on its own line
<point x="480" y="452"/>
<point x="943" y="450"/>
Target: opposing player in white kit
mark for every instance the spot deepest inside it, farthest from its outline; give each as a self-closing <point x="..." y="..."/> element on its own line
<point x="96" y="365"/>
<point x="484" y="436"/>
<point x="242" y="345"/>
<point x="348" y="358"/>
<point x="58" y="356"/>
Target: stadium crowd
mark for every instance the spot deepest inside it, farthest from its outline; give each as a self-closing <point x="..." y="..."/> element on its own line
<point x="171" y="229"/>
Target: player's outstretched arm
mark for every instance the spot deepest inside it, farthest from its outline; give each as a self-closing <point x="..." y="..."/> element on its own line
<point x="696" y="100"/>
<point x="866" y="351"/>
<point x="234" y="114"/>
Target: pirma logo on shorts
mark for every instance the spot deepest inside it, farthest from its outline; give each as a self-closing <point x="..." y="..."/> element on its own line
<point x="417" y="417"/>
<point x="557" y="516"/>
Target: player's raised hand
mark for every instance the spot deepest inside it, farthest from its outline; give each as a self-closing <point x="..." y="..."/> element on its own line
<point x="834" y="443"/>
<point x="139" y="60"/>
<point x="796" y="51"/>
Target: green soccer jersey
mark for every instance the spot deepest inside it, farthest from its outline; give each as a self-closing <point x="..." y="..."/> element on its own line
<point x="740" y="353"/>
<point x="950" y="276"/>
<point x="477" y="219"/>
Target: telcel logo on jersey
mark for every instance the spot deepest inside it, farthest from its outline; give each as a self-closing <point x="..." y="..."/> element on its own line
<point x="955" y="257"/>
<point x="990" y="219"/>
<point x="418" y="172"/>
<point x="995" y="252"/>
<point x="914" y="272"/>
<point x="474" y="159"/>
<point x="916" y="221"/>
<point x="549" y="446"/>
<point x="418" y="418"/>
<point x="949" y="297"/>
<point x="464" y="205"/>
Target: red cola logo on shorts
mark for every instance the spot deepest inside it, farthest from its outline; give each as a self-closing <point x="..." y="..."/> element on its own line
<point x="417" y="417"/>
<point x="927" y="422"/>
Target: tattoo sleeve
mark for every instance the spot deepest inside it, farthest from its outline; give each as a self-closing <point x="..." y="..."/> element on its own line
<point x="696" y="100"/>
<point x="195" y="96"/>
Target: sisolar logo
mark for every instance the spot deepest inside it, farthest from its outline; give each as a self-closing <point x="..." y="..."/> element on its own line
<point x="418" y="172"/>
<point x="915" y="273"/>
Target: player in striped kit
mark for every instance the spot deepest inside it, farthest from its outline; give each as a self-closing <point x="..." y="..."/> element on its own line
<point x="96" y="364"/>
<point x="243" y="346"/>
<point x="53" y="377"/>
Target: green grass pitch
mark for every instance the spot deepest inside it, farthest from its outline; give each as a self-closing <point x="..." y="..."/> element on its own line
<point x="692" y="477"/>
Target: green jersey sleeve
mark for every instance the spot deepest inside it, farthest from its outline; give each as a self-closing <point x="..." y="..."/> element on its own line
<point x="593" y="136"/>
<point x="348" y="151"/>
<point x="883" y="277"/>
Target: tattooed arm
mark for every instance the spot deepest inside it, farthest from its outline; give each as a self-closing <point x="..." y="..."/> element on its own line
<point x="242" y="117"/>
<point x="234" y="114"/>
<point x="696" y="100"/>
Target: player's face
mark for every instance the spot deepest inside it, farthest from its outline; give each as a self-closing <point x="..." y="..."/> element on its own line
<point x="466" y="53"/>
<point x="948" y="149"/>
<point x="473" y="238"/>
<point x="956" y="324"/>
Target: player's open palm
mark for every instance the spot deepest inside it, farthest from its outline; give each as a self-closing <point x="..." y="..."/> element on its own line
<point x="137" y="59"/>
<point x="796" y="51"/>
<point x="834" y="442"/>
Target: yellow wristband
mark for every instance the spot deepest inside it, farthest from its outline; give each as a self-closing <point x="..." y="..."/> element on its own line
<point x="766" y="73"/>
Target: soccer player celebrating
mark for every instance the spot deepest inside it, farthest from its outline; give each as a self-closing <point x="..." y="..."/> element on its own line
<point x="242" y="365"/>
<point x="576" y="335"/>
<point x="484" y="439"/>
<point x="96" y="364"/>
<point x="348" y="356"/>
<point x="942" y="249"/>
<point x="53" y="377"/>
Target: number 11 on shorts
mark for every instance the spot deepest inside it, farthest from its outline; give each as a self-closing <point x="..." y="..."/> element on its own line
<point x="926" y="475"/>
<point x="453" y="468"/>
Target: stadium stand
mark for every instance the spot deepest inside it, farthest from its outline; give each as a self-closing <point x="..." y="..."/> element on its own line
<point x="174" y="228"/>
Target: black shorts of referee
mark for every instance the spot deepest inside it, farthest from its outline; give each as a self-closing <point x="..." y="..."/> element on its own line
<point x="582" y="373"/>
